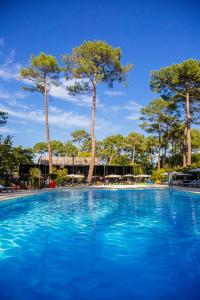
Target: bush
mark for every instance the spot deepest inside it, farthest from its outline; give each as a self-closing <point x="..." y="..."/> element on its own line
<point x="34" y="174"/>
<point x="158" y="175"/>
<point x="59" y="175"/>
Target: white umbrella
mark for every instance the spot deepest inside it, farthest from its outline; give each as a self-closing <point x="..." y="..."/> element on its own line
<point x="195" y="170"/>
<point x="113" y="176"/>
<point x="128" y="175"/>
<point x="143" y="176"/>
<point x="180" y="174"/>
<point x="75" y="176"/>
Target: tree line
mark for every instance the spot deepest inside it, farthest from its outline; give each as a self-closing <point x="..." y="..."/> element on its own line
<point x="150" y="152"/>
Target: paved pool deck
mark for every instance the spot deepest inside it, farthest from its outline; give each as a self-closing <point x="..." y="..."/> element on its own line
<point x="24" y="193"/>
<point x="187" y="189"/>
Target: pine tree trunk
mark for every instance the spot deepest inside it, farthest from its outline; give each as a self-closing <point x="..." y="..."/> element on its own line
<point x="159" y="147"/>
<point x="133" y="155"/>
<point x="151" y="157"/>
<point x="185" y="148"/>
<point x="93" y="140"/>
<point x="46" y="109"/>
<point x="110" y="159"/>
<point x="164" y="157"/>
<point x="188" y="124"/>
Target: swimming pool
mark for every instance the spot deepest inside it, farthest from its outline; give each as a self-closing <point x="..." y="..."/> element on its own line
<point x="101" y="244"/>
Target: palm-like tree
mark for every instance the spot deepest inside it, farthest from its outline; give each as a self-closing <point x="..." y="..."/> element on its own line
<point x="92" y="63"/>
<point x="42" y="71"/>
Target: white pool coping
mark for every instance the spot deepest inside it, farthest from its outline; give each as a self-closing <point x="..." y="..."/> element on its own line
<point x="25" y="193"/>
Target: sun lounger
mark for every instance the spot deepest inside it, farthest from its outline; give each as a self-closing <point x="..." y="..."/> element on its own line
<point x="193" y="182"/>
<point x="6" y="188"/>
<point x="186" y="182"/>
<point x="196" y="184"/>
<point x="178" y="182"/>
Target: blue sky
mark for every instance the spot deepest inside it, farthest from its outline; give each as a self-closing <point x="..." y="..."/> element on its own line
<point x="151" y="34"/>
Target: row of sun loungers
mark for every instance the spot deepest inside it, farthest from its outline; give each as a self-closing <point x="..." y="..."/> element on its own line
<point x="187" y="183"/>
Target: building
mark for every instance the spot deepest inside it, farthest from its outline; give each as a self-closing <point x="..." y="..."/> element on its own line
<point x="67" y="161"/>
<point x="99" y="170"/>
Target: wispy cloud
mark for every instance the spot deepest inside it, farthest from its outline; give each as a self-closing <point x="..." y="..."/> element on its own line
<point x="4" y="95"/>
<point x="8" y="69"/>
<point x="9" y="72"/>
<point x="1" y="41"/>
<point x="7" y="130"/>
<point x="57" y="117"/>
<point x="134" y="108"/>
<point x="62" y="93"/>
<point x="114" y="93"/>
<point x="133" y="117"/>
<point x="13" y="99"/>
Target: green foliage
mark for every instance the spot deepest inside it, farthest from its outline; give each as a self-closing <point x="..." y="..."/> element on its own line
<point x="59" y="175"/>
<point x="3" y="118"/>
<point x="11" y="157"/>
<point x="180" y="84"/>
<point x="7" y="164"/>
<point x="43" y="70"/>
<point x="121" y="160"/>
<point x="70" y="149"/>
<point x="177" y="79"/>
<point x="195" y="136"/>
<point x="23" y="155"/>
<point x="133" y="144"/>
<point x="84" y="154"/>
<point x="196" y="160"/>
<point x="95" y="61"/>
<point x="112" y="147"/>
<point x="158" y="175"/>
<point x="156" y="116"/>
<point x="138" y="169"/>
<point x="40" y="148"/>
<point x="92" y="63"/>
<point x="35" y="175"/>
<point x="57" y="147"/>
<point x="80" y="137"/>
<point x="34" y="172"/>
<point x="156" y="119"/>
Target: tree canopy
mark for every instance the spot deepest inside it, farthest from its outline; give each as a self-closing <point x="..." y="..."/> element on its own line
<point x="94" y="62"/>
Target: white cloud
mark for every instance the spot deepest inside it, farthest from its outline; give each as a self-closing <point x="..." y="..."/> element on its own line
<point x="55" y="109"/>
<point x="17" y="104"/>
<point x="1" y="41"/>
<point x="8" y="69"/>
<point x="59" y="118"/>
<point x="9" y="96"/>
<point x="7" y="130"/>
<point x="134" y="117"/>
<point x="19" y="122"/>
<point x="114" y="93"/>
<point x="14" y="99"/>
<point x="9" y="72"/>
<point x="62" y="93"/>
<point x="133" y="106"/>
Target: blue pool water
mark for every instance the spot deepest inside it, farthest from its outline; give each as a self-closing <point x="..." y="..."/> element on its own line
<point x="101" y="244"/>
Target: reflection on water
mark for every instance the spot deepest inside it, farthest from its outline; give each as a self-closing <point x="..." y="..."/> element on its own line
<point x="101" y="244"/>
